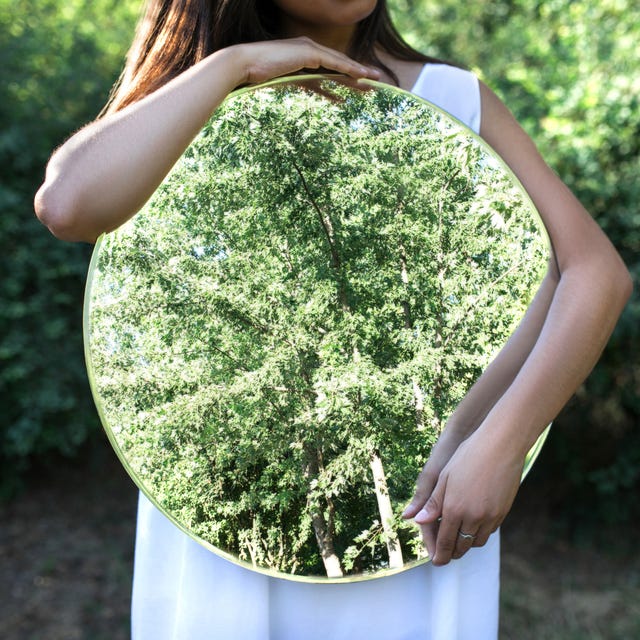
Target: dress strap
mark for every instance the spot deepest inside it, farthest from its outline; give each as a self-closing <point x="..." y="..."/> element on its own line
<point x="455" y="90"/>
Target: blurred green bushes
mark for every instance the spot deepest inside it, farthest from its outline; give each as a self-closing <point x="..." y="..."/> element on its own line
<point x="57" y="61"/>
<point x="567" y="68"/>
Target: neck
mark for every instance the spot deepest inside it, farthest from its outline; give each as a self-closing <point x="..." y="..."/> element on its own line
<point x="337" y="38"/>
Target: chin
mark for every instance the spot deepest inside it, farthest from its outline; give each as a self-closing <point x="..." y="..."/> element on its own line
<point x="338" y="13"/>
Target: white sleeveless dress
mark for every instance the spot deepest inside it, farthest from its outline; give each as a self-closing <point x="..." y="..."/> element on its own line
<point x="182" y="591"/>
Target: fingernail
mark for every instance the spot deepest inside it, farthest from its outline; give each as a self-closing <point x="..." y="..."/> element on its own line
<point x="422" y="516"/>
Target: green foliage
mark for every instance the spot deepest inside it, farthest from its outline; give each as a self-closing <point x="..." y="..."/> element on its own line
<point x="58" y="61"/>
<point x="310" y="272"/>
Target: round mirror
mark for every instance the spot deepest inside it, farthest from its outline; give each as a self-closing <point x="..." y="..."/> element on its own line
<point x="276" y="340"/>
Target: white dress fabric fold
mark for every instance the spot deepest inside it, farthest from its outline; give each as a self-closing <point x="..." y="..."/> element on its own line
<point x="182" y="591"/>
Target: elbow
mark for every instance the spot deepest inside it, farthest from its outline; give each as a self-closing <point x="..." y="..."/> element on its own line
<point x="603" y="273"/>
<point x="621" y="280"/>
<point x="618" y="286"/>
<point x="60" y="216"/>
<point x="626" y="285"/>
<point x="617" y="283"/>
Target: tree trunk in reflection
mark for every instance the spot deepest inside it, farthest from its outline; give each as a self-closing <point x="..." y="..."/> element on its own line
<point x="418" y="396"/>
<point x="385" y="508"/>
<point x="322" y="526"/>
<point x="386" y="512"/>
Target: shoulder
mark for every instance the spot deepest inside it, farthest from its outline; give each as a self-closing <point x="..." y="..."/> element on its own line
<point x="411" y="72"/>
<point x="573" y="233"/>
<point x="503" y="133"/>
<point x="408" y="72"/>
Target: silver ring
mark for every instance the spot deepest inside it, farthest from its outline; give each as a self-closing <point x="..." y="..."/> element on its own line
<point x="466" y="536"/>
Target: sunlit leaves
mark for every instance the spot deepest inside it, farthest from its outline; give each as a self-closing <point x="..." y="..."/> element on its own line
<point x="316" y="283"/>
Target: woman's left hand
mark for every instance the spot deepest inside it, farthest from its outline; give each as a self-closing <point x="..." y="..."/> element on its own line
<point x="472" y="496"/>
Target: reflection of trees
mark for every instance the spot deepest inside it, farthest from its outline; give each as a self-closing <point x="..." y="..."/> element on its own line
<point x="281" y="333"/>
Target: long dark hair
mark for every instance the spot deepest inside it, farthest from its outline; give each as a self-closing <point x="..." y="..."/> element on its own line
<point x="175" y="34"/>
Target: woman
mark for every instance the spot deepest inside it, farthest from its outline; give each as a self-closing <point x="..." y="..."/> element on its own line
<point x="187" y="57"/>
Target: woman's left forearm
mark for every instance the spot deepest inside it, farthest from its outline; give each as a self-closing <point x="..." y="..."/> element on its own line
<point x="503" y="369"/>
<point x="586" y="305"/>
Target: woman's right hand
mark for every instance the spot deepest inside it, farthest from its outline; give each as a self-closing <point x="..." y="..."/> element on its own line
<point x="445" y="448"/>
<point x="105" y="173"/>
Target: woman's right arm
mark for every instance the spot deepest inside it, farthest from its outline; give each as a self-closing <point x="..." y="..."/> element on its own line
<point x="104" y="173"/>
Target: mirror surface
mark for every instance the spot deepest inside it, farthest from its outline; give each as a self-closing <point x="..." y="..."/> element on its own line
<point x="276" y="340"/>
